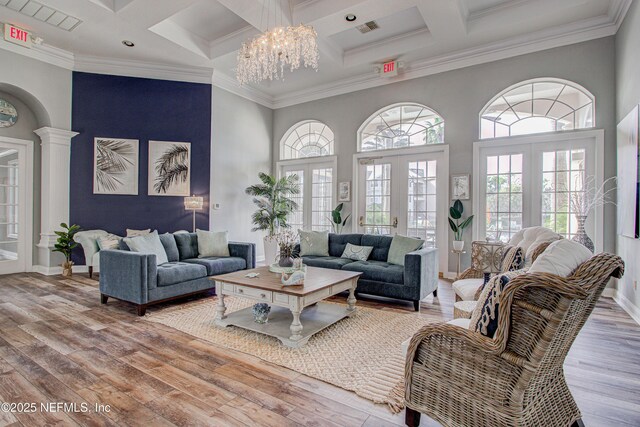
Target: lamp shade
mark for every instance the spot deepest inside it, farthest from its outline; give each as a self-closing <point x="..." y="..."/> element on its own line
<point x="193" y="203"/>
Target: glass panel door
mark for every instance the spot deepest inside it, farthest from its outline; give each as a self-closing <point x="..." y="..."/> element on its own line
<point x="296" y="219"/>
<point x="12" y="209"/>
<point x="377" y="199"/>
<point x="322" y="198"/>
<point x="422" y="200"/>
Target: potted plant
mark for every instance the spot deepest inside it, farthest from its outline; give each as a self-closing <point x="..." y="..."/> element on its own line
<point x="273" y="199"/>
<point x="336" y="219"/>
<point x="65" y="244"/>
<point x="455" y="216"/>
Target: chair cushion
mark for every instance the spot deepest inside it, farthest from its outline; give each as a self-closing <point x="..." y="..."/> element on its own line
<point x="338" y="242"/>
<point x="400" y="246"/>
<point x="332" y="262"/>
<point x="462" y="323"/>
<point x="381" y="245"/>
<point x="170" y="247"/>
<point x="212" y="243"/>
<point x="172" y="273"/>
<point x="529" y="238"/>
<point x="378" y="271"/>
<point x="219" y="265"/>
<point x="187" y="245"/>
<point x="466" y="288"/>
<point x="561" y="258"/>
<point x="357" y="253"/>
<point x="109" y="241"/>
<point x="149" y="244"/>
<point x="314" y="243"/>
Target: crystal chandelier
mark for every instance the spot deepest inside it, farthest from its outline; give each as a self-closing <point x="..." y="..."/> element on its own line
<point x="267" y="55"/>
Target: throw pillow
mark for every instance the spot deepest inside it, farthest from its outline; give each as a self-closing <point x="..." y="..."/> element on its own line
<point x="513" y="259"/>
<point x="134" y="233"/>
<point x="314" y="243"/>
<point x="486" y="319"/>
<point x="357" y="253"/>
<point x="561" y="258"/>
<point x="400" y="246"/>
<point x="148" y="244"/>
<point x="110" y="241"/>
<point x="212" y="243"/>
<point x="170" y="247"/>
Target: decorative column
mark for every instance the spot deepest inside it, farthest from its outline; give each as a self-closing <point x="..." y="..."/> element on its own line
<point x="54" y="191"/>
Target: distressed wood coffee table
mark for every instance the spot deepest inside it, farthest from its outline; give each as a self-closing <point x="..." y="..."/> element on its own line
<point x="296" y="311"/>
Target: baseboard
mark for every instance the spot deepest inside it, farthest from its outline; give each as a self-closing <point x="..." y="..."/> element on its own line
<point x="631" y="309"/>
<point x="53" y="271"/>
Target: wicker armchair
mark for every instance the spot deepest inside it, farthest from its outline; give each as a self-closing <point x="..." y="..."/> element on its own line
<point x="462" y="378"/>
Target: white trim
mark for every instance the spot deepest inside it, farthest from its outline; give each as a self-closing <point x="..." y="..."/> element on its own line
<point x="626" y="304"/>
<point x="44" y="53"/>
<point x="387" y="108"/>
<point x="294" y="128"/>
<point x="47" y="271"/>
<point x="230" y="84"/>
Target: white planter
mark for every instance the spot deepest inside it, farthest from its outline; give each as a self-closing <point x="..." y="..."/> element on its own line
<point x="458" y="245"/>
<point x="270" y="250"/>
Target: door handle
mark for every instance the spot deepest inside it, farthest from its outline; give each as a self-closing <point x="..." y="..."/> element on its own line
<point x="394" y="223"/>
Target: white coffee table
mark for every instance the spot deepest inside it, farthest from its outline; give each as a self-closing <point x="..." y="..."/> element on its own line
<point x="297" y="312"/>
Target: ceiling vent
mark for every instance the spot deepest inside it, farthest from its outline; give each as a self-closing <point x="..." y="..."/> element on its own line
<point x="43" y="13"/>
<point x="368" y="26"/>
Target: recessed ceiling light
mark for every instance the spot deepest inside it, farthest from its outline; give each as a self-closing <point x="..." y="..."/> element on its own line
<point x="128" y="43"/>
<point x="350" y="17"/>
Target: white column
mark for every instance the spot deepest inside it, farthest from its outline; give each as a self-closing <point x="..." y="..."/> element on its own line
<point x="54" y="190"/>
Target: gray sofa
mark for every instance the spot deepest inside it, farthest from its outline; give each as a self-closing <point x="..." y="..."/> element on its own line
<point x="413" y="281"/>
<point x="135" y="277"/>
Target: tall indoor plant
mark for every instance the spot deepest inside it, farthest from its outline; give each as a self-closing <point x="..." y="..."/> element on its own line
<point x="273" y="200"/>
<point x="65" y="244"/>
<point x="337" y="222"/>
<point x="457" y="224"/>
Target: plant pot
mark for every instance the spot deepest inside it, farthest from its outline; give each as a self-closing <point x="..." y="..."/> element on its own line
<point x="270" y="250"/>
<point x="458" y="245"/>
<point x="285" y="261"/>
<point x="67" y="268"/>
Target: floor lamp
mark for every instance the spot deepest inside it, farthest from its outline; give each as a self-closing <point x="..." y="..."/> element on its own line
<point x="193" y="204"/>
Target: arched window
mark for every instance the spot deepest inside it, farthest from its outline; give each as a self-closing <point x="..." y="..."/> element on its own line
<point x="537" y="106"/>
<point x="309" y="138"/>
<point x="399" y="126"/>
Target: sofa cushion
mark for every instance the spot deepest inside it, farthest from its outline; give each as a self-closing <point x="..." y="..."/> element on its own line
<point x="338" y="242"/>
<point x="357" y="253"/>
<point x="400" y="246"/>
<point x="314" y="243"/>
<point x="109" y="241"/>
<point x="172" y="273"/>
<point x="136" y="233"/>
<point x="335" y="263"/>
<point x="378" y="271"/>
<point x="219" y="265"/>
<point x="170" y="247"/>
<point x="187" y="245"/>
<point x="149" y="244"/>
<point x="561" y="258"/>
<point x="212" y="243"/>
<point x="380" y="245"/>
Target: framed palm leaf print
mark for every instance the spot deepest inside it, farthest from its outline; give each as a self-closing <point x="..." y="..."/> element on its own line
<point x="115" y="166"/>
<point x="169" y="168"/>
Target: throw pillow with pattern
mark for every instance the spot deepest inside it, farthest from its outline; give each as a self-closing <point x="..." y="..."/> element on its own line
<point x="357" y="253"/>
<point x="513" y="259"/>
<point x="110" y="241"/>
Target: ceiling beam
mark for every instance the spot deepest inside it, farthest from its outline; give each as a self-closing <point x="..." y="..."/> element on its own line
<point x="231" y="42"/>
<point x="186" y="39"/>
<point x="147" y="13"/>
<point x="446" y="19"/>
<point x="261" y="14"/>
<point x="388" y="49"/>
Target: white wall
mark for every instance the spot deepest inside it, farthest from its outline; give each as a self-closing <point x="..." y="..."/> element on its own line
<point x="459" y="96"/>
<point x="241" y="147"/>
<point x="628" y="95"/>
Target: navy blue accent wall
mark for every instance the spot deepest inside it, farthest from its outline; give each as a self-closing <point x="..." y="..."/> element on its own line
<point x="143" y="109"/>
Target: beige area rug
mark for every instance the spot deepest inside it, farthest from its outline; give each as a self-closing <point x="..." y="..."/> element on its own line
<point x="362" y="353"/>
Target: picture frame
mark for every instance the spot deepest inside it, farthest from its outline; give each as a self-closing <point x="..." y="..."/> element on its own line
<point x="169" y="171"/>
<point x="344" y="191"/>
<point x="460" y="185"/>
<point x="115" y="166"/>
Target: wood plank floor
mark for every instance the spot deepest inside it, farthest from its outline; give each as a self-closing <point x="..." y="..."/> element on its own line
<point x="58" y="344"/>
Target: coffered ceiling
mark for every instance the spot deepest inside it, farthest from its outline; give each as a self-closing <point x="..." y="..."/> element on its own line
<point x="185" y="38"/>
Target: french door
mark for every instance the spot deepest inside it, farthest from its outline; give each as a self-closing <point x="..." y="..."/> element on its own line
<point x="15" y="205"/>
<point x="535" y="181"/>
<point x="404" y="194"/>
<point x="317" y="194"/>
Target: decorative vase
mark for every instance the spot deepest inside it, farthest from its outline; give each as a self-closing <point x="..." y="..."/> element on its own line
<point x="458" y="245"/>
<point x="261" y="312"/>
<point x="285" y="260"/>
<point x="270" y="249"/>
<point x="67" y="268"/>
<point x="581" y="235"/>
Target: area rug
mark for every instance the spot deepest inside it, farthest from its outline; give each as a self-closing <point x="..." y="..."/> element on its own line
<point x="362" y="353"/>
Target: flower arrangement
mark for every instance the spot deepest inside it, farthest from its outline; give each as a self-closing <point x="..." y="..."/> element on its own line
<point x="261" y="312"/>
<point x="286" y="241"/>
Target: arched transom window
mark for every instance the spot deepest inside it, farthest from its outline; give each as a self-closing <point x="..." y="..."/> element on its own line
<point x="400" y="126"/>
<point x="307" y="139"/>
<point x="537" y="106"/>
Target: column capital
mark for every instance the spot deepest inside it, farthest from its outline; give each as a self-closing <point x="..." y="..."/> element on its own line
<point x="50" y="135"/>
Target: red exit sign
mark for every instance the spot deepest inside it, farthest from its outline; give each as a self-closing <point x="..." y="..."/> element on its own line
<point x="389" y="69"/>
<point x="17" y="35"/>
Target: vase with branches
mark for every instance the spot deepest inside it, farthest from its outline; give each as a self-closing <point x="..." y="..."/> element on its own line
<point x="65" y="245"/>
<point x="273" y="198"/>
<point x="584" y="202"/>
<point x="171" y="168"/>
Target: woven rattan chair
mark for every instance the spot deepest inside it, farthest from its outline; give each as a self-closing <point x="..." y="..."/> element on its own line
<point x="462" y="378"/>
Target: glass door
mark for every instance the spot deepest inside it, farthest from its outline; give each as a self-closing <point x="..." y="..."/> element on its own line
<point x="13" y="243"/>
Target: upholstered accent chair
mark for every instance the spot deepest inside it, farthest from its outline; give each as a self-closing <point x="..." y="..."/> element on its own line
<point x="469" y="283"/>
<point x="460" y="377"/>
<point x="89" y="241"/>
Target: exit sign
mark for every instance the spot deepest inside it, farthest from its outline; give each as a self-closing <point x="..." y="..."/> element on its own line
<point x="389" y="69"/>
<point x="17" y="35"/>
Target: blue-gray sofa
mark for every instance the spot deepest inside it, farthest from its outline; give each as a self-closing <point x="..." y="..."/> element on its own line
<point x="413" y="281"/>
<point x="135" y="277"/>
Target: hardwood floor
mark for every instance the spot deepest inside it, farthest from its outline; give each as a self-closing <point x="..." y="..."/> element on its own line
<point x="58" y="344"/>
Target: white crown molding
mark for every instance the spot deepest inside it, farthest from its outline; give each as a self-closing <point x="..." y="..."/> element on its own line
<point x="230" y="84"/>
<point x="44" y="53"/>
<point x="618" y="10"/>
<point x="542" y="40"/>
<point x="133" y="68"/>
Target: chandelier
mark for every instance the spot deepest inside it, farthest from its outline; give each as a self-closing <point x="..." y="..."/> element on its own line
<point x="267" y="55"/>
